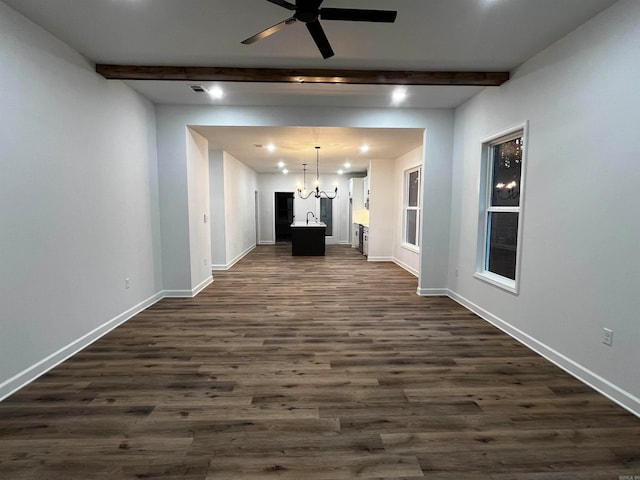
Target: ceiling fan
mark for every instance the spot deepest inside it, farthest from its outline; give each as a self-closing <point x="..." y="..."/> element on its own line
<point x="309" y="12"/>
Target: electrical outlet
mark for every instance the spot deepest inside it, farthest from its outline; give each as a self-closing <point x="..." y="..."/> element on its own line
<point x="205" y="262"/>
<point x="127" y="283"/>
<point x="457" y="272"/>
<point x="607" y="338"/>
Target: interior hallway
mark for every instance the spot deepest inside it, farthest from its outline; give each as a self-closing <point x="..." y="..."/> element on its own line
<point x="312" y="368"/>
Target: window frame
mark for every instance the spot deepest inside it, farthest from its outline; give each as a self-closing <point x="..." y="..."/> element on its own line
<point x="485" y="208"/>
<point x="406" y="208"/>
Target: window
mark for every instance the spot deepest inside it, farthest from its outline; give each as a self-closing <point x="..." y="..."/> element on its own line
<point x="411" y="235"/>
<point x="501" y="204"/>
<point x="326" y="215"/>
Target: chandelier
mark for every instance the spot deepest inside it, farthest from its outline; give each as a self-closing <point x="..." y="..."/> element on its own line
<point x="302" y="189"/>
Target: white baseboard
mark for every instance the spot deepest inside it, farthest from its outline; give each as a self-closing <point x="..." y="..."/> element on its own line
<point x="613" y="392"/>
<point x="266" y="242"/>
<point x="406" y="267"/>
<point x="31" y="373"/>
<point x="432" y="292"/>
<point x="204" y="284"/>
<point x="220" y="267"/>
<point x="242" y="255"/>
<point x="606" y="388"/>
<point x="188" y="293"/>
<point x="380" y="259"/>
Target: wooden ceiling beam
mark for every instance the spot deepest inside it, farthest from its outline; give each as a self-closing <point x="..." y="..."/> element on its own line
<point x="300" y="75"/>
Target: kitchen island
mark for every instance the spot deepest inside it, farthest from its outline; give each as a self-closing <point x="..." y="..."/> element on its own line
<point x="307" y="239"/>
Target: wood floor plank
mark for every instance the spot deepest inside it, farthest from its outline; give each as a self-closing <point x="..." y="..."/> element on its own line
<point x="312" y="368"/>
<point x="312" y="467"/>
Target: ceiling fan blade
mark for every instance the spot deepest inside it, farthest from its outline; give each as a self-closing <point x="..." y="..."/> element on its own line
<point x="308" y="5"/>
<point x="358" y="15"/>
<point x="317" y="32"/>
<point x="269" y="31"/>
<point x="284" y="4"/>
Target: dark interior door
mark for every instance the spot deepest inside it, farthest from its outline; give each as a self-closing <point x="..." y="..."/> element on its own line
<point x="284" y="216"/>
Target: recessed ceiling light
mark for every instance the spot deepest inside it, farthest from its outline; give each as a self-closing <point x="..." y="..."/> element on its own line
<point x="280" y="164"/>
<point x="364" y="148"/>
<point x="340" y="172"/>
<point x="271" y="147"/>
<point x="399" y="95"/>
<point x="285" y="171"/>
<point x="347" y="165"/>
<point x="216" y="93"/>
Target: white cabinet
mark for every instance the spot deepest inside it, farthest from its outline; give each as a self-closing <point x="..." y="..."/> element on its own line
<point x="356" y="193"/>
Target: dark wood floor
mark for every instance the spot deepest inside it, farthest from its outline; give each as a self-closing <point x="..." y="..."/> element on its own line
<point x="312" y="368"/>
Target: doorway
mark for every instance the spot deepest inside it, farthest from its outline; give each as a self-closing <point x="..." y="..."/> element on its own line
<point x="284" y="216"/>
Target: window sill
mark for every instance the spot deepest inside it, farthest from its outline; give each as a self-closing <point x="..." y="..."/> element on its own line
<point x="498" y="281"/>
<point x="412" y="248"/>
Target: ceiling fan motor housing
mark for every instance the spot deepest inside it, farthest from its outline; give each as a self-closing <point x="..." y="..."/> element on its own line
<point x="309" y="13"/>
<point x="308" y="10"/>
<point x="306" y="17"/>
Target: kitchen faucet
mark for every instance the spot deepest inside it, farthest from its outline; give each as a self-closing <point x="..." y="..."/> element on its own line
<point x="314" y="217"/>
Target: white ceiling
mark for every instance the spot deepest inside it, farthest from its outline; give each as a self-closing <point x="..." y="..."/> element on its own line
<point x="296" y="145"/>
<point x="427" y="35"/>
<point x="306" y="94"/>
<point x="464" y="35"/>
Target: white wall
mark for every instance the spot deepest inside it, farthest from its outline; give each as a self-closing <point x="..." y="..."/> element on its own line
<point x="301" y="207"/>
<point x="199" y="211"/>
<point x="217" y="210"/>
<point x="382" y="210"/>
<point x="171" y="120"/>
<point x="581" y="221"/>
<point x="341" y="220"/>
<point x="436" y="209"/>
<point x="269" y="184"/>
<point x="405" y="256"/>
<point x="78" y="202"/>
<point x="233" y="214"/>
<point x="240" y="184"/>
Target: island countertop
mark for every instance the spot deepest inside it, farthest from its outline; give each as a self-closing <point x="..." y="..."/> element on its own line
<point x="310" y="224"/>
